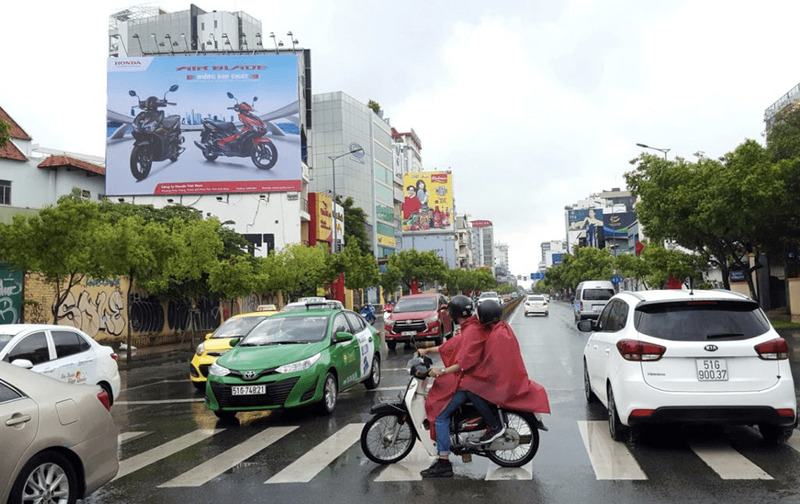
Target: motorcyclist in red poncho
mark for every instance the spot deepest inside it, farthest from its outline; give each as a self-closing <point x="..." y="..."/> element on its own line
<point x="482" y="364"/>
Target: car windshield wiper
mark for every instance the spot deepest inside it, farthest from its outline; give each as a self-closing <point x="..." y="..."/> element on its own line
<point x="724" y="335"/>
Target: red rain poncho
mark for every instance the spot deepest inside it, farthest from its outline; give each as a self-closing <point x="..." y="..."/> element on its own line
<point x="491" y="366"/>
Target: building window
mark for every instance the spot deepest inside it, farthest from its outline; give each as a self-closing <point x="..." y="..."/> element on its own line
<point x="5" y="192"/>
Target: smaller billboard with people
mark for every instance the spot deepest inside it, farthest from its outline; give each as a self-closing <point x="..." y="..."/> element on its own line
<point x="428" y="203"/>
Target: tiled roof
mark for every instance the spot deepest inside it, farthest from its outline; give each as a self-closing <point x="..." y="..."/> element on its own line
<point x="9" y="150"/>
<point x="70" y="162"/>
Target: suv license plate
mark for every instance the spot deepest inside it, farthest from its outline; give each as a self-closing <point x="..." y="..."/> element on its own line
<point x="712" y="370"/>
<point x="409" y="333"/>
<point x="248" y="390"/>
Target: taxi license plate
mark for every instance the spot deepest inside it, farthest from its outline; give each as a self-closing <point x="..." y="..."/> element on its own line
<point x="409" y="333"/>
<point x="712" y="369"/>
<point x="248" y="389"/>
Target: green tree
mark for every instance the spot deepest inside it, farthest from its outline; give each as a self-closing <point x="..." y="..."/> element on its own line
<point x="467" y="281"/>
<point x="63" y="242"/>
<point x="234" y="277"/>
<point x="355" y="226"/>
<point x="723" y="209"/>
<point x="360" y="270"/>
<point x="5" y="133"/>
<point x="296" y="270"/>
<point x="409" y="265"/>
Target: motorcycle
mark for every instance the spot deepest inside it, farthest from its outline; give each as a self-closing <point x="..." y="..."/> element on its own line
<point x="156" y="137"/>
<point x="395" y="426"/>
<point x="224" y="139"/>
<point x="368" y="312"/>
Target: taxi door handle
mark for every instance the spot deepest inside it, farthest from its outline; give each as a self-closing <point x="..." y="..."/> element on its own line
<point x="17" y="419"/>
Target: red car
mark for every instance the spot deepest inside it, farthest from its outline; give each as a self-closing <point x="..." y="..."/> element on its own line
<point x="423" y="317"/>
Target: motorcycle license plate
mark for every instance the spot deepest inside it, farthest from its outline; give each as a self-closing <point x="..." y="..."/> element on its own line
<point x="248" y="389"/>
<point x="712" y="369"/>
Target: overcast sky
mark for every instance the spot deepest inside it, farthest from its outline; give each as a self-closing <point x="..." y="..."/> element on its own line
<point x="533" y="105"/>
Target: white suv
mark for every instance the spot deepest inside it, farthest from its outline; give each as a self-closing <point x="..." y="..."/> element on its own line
<point x="675" y="356"/>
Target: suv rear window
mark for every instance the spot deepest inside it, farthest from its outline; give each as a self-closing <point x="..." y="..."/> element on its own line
<point x="597" y="294"/>
<point x="701" y="320"/>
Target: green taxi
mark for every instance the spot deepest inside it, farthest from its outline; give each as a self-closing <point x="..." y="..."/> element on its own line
<point x="295" y="358"/>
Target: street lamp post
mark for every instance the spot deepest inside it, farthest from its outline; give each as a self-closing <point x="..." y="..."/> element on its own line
<point x="664" y="151"/>
<point x="354" y="148"/>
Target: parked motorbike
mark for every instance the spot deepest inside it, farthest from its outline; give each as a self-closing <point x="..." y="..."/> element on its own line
<point x="156" y="137"/>
<point x="368" y="312"/>
<point x="396" y="426"/>
<point x="225" y="139"/>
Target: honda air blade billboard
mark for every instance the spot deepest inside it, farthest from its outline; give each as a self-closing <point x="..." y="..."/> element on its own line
<point x="203" y="124"/>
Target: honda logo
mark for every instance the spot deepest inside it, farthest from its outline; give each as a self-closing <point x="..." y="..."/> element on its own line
<point x="711" y="348"/>
<point x="249" y="375"/>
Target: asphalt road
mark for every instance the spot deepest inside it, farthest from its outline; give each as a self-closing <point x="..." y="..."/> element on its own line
<point x="174" y="450"/>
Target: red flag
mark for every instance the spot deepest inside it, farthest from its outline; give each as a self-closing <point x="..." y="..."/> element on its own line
<point x="639" y="247"/>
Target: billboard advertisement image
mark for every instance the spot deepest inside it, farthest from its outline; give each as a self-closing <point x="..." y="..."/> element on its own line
<point x="203" y="124"/>
<point x="428" y="203"/>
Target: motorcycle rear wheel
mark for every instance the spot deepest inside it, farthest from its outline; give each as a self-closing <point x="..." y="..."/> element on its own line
<point x="264" y="155"/>
<point x="385" y="439"/>
<point x="141" y="162"/>
<point x="526" y="426"/>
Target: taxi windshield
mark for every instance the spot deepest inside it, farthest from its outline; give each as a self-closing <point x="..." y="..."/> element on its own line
<point x="237" y="327"/>
<point x="288" y="330"/>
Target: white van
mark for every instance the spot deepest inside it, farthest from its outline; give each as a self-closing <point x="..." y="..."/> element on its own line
<point x="591" y="297"/>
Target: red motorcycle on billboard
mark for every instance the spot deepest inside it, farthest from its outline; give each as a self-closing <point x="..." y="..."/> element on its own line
<point x="156" y="137"/>
<point x="225" y="139"/>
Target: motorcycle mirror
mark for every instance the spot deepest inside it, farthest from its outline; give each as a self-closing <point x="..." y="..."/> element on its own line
<point x="255" y="99"/>
<point x="230" y="95"/>
<point x="132" y="92"/>
<point x="173" y="88"/>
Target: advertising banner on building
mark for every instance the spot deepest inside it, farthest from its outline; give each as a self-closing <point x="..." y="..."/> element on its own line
<point x="203" y="124"/>
<point x="428" y="203"/>
<point x="324" y="217"/>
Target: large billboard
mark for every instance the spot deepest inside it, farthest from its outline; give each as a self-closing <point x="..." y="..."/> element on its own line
<point x="203" y="124"/>
<point x="428" y="203"/>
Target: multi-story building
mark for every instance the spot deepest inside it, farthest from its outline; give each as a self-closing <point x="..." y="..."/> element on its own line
<point x="483" y="243"/>
<point x="501" y="259"/>
<point x="790" y="99"/>
<point x="342" y="124"/>
<point x="551" y="253"/>
<point x="464" y="257"/>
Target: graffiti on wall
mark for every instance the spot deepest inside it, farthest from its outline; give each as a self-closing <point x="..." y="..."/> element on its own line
<point x="104" y="312"/>
<point x="10" y="295"/>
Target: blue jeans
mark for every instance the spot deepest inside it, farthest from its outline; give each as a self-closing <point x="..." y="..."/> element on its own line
<point x="442" y="423"/>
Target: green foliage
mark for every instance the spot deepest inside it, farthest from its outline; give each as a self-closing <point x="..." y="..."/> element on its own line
<point x="355" y="226"/>
<point x="464" y="281"/>
<point x="360" y="269"/>
<point x="233" y="277"/>
<point x="409" y="265"/>
<point x="5" y="133"/>
<point x="296" y="271"/>
<point x="783" y="138"/>
<point x="375" y="106"/>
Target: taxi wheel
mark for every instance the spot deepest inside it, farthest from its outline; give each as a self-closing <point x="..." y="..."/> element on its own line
<point x="329" y="392"/>
<point x="375" y="375"/>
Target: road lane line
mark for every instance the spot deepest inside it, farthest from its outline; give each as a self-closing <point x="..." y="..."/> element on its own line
<point x="315" y="460"/>
<point x="610" y="459"/>
<point x="408" y="469"/>
<point x="794" y="442"/>
<point x="728" y="463"/>
<point x="124" y="437"/>
<point x="161" y="401"/>
<point x="212" y="468"/>
<point x="144" y="459"/>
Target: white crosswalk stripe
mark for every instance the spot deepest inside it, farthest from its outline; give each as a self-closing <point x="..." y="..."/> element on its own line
<point x="212" y="468"/>
<point x="611" y="460"/>
<point x="309" y="465"/>
<point x="407" y="469"/>
<point x="141" y="460"/>
<point x="124" y="437"/>
<point x="727" y="462"/>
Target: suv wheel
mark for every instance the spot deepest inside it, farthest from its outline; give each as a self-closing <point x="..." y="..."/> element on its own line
<point x="618" y="431"/>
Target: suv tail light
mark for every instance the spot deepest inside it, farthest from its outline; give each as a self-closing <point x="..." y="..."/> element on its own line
<point x="103" y="397"/>
<point x="776" y="349"/>
<point x="633" y="350"/>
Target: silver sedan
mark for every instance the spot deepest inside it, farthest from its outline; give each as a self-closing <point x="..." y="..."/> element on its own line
<point x="59" y="440"/>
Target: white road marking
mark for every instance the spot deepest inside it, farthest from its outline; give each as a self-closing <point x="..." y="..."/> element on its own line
<point x="141" y="460"/>
<point x="161" y="401"/>
<point x="309" y="465"/>
<point x="727" y="462"/>
<point x="408" y="469"/>
<point x="794" y="442"/>
<point x="212" y="468"/>
<point x="497" y="473"/>
<point x="610" y="459"/>
<point x="124" y="437"/>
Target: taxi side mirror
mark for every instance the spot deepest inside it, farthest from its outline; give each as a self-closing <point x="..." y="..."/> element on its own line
<point x="234" y="341"/>
<point x="208" y="335"/>
<point x="343" y="336"/>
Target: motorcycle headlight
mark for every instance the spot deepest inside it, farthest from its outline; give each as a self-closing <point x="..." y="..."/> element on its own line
<point x="218" y="370"/>
<point x="433" y="318"/>
<point x="295" y="367"/>
<point x="200" y="349"/>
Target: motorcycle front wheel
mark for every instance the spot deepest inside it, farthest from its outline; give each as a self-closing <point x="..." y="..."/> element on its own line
<point x="386" y="438"/>
<point x="264" y="155"/>
<point x="525" y="426"/>
<point x="141" y="162"/>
